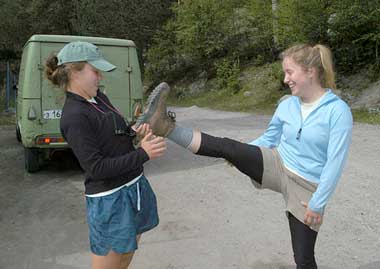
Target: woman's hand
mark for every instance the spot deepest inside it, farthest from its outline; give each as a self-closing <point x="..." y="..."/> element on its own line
<point x="154" y="146"/>
<point x="142" y="130"/>
<point x="311" y="218"/>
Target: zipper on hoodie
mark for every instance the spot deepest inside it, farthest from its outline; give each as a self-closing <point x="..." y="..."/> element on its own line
<point x="298" y="137"/>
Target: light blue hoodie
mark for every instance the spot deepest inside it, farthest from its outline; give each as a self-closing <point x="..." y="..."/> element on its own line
<point x="316" y="148"/>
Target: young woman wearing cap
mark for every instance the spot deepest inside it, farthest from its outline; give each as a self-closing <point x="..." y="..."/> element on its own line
<point x="302" y="152"/>
<point x="120" y="202"/>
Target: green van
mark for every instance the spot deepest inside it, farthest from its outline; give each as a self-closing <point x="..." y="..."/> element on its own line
<point x="39" y="103"/>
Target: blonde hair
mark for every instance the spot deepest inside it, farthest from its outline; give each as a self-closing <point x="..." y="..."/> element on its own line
<point x="318" y="56"/>
<point x="60" y="75"/>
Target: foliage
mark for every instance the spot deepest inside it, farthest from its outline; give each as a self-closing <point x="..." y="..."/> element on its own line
<point x="183" y="39"/>
<point x="137" y="20"/>
<point x="227" y="75"/>
<point x="303" y="21"/>
<point x="134" y="19"/>
<point x="263" y="82"/>
<point x="366" y="117"/>
<point x="204" y="32"/>
<point x="163" y="61"/>
<point x="260" y="35"/>
<point x="354" y="33"/>
<point x="7" y="119"/>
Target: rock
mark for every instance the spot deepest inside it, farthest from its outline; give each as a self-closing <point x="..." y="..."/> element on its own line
<point x="247" y="93"/>
<point x="197" y="86"/>
<point x="369" y="98"/>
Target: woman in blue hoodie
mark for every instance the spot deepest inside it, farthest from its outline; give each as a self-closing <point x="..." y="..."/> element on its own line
<point x="302" y="152"/>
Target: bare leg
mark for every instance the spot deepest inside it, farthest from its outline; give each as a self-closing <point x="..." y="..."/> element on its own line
<point x="127" y="257"/>
<point x="113" y="260"/>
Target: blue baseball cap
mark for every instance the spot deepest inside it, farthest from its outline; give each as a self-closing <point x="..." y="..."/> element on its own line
<point x="79" y="51"/>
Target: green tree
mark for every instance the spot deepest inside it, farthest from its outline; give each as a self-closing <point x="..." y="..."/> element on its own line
<point x="203" y="32"/>
<point x="354" y="33"/>
<point x="137" y="20"/>
<point x="163" y="60"/>
<point x="303" y="21"/>
<point x="133" y="19"/>
<point x="15" y="24"/>
<point x="202" y="29"/>
<point x="263" y="35"/>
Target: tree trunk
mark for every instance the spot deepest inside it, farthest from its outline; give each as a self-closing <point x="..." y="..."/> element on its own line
<point x="275" y="22"/>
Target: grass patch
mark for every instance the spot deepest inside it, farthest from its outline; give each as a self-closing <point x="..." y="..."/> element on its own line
<point x="365" y="117"/>
<point x="260" y="89"/>
<point x="220" y="101"/>
<point x="7" y="119"/>
<point x="243" y="104"/>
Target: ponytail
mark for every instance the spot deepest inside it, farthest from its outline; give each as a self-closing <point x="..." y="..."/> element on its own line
<point x="327" y="76"/>
<point x="59" y="75"/>
<point x="51" y="70"/>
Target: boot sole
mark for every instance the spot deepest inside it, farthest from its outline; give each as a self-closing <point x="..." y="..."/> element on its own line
<point x="153" y="101"/>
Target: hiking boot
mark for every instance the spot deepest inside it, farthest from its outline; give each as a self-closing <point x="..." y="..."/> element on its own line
<point x="160" y="121"/>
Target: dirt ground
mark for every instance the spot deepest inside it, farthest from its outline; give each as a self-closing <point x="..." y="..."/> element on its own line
<point x="210" y="215"/>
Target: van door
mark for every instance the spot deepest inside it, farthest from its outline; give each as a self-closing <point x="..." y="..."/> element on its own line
<point x="52" y="97"/>
<point x="136" y="88"/>
<point x="116" y="84"/>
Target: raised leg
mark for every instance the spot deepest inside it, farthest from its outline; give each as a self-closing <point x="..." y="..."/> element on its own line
<point x="248" y="159"/>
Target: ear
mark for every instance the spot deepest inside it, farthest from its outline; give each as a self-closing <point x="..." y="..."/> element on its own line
<point x="73" y="75"/>
<point x="312" y="72"/>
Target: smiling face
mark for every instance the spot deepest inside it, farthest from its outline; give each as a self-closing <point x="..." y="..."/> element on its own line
<point x="298" y="79"/>
<point x="86" y="81"/>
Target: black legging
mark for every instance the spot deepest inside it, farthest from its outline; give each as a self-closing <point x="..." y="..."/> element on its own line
<point x="248" y="159"/>
<point x="303" y="243"/>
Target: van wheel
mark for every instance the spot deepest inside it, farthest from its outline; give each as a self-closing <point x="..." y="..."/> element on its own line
<point x="32" y="163"/>
<point x="18" y="133"/>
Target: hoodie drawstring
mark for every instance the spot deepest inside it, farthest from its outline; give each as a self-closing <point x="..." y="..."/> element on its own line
<point x="138" y="196"/>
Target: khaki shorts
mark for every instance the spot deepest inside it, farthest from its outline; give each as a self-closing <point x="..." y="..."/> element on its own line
<point x="293" y="188"/>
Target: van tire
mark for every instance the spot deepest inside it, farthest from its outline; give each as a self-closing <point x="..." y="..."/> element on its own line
<point x="32" y="162"/>
<point x="18" y="133"/>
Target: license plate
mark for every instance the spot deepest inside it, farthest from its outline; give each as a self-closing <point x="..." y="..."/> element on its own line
<point x="52" y="114"/>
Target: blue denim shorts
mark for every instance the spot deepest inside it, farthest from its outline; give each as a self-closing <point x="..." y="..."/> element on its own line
<point x="116" y="219"/>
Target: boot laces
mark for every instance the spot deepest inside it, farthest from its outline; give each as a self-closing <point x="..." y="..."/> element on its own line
<point x="172" y="115"/>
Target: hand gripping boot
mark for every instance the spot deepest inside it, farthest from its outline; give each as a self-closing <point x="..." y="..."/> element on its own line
<point x="161" y="122"/>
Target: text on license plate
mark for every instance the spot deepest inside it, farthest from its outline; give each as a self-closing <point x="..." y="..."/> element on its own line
<point x="52" y="114"/>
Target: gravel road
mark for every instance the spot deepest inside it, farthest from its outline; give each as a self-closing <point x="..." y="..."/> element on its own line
<point x="210" y="215"/>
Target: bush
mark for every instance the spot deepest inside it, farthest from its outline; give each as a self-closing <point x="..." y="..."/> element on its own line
<point x="354" y="33"/>
<point x="302" y="22"/>
<point x="206" y="36"/>
<point x="203" y="33"/>
<point x="227" y="75"/>
<point x="163" y="61"/>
